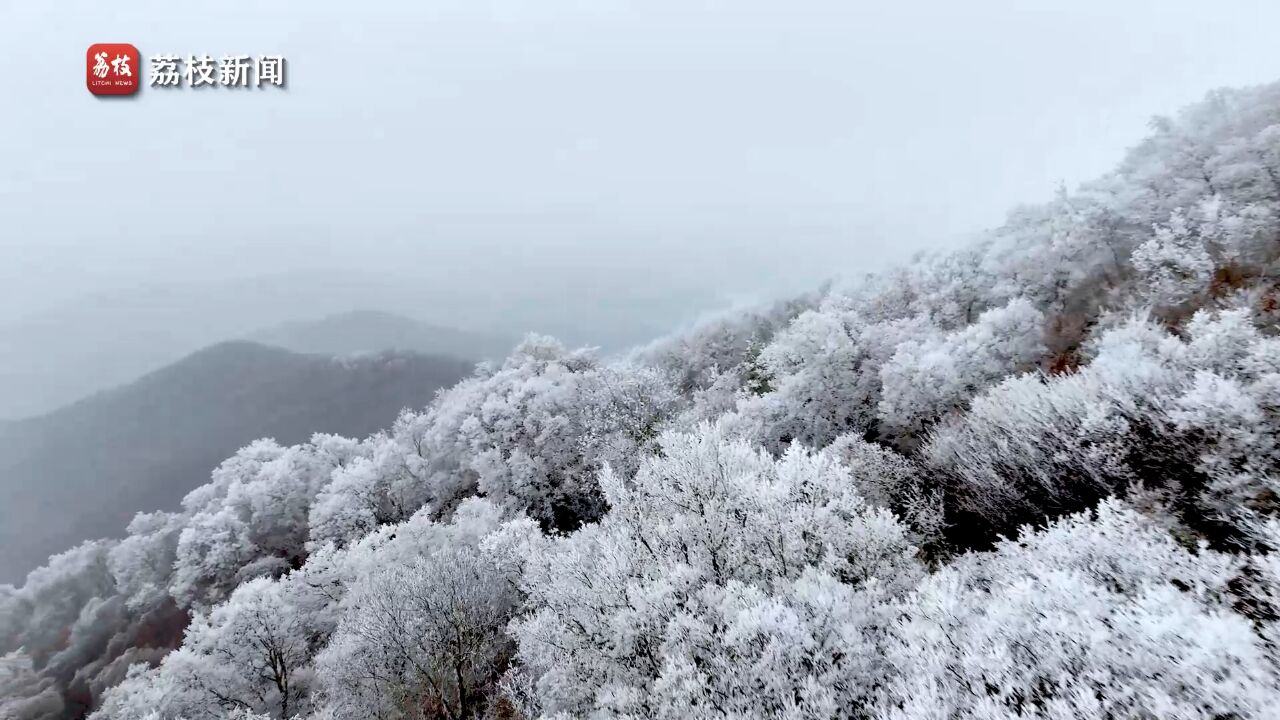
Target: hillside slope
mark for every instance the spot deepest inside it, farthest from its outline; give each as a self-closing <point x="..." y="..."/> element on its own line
<point x="83" y="471"/>
<point x="1036" y="476"/>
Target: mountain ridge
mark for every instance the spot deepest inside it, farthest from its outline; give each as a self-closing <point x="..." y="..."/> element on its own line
<point x="364" y="331"/>
<point x="147" y="443"/>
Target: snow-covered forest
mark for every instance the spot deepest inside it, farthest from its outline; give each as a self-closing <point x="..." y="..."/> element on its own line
<point x="1035" y="477"/>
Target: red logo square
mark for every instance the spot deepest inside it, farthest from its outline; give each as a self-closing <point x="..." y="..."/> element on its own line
<point x="112" y="69"/>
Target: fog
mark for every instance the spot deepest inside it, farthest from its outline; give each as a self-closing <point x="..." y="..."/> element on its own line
<point x="512" y="164"/>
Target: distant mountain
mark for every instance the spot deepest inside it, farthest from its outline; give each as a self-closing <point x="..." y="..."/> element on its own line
<point x="366" y="331"/>
<point x="55" y="355"/>
<point x="84" y="470"/>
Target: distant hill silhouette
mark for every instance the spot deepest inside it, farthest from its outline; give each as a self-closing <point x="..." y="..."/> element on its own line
<point x="54" y="355"/>
<point x="364" y="331"/>
<point x="84" y="470"/>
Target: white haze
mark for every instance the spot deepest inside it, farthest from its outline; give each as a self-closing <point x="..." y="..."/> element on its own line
<point x="525" y="163"/>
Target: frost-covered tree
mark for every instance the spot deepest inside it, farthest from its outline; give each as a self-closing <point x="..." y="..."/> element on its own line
<point x="929" y="377"/>
<point x="251" y="520"/>
<point x="142" y="563"/>
<point x="255" y="651"/>
<point x="718" y="349"/>
<point x="25" y="694"/>
<point x="890" y="480"/>
<point x="387" y="484"/>
<point x="817" y="387"/>
<point x="532" y="434"/>
<point x="38" y="615"/>
<point x="1105" y="617"/>
<point x="1194" y="417"/>
<point x="823" y="375"/>
<point x="247" y="653"/>
<point x="723" y="582"/>
<point x="421" y="641"/>
<point x="1173" y="264"/>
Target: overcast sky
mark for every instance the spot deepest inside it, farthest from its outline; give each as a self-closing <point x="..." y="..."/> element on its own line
<point x="494" y="147"/>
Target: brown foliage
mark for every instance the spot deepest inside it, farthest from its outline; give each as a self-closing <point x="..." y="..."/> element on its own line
<point x="1228" y="278"/>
